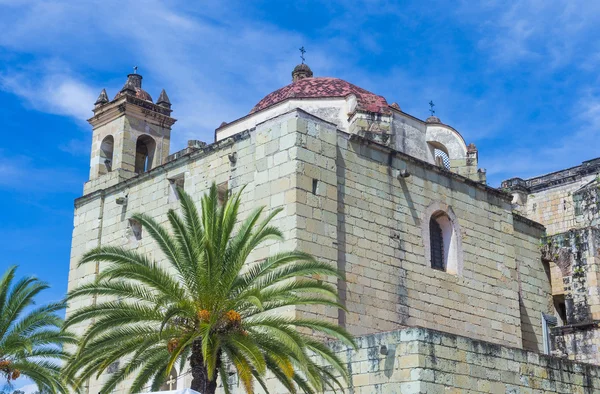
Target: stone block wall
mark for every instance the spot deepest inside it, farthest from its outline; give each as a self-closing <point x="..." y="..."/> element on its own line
<point x="555" y="207"/>
<point x="389" y="283"/>
<point x="566" y="202"/>
<point x="579" y="343"/>
<point x="534" y="282"/>
<point x="344" y="202"/>
<point x="423" y="361"/>
<point x="418" y="360"/>
<point x="261" y="161"/>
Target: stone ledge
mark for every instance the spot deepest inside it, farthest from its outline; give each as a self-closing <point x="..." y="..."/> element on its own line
<point x="528" y="221"/>
<point x="553" y="179"/>
<point x="436" y="362"/>
<point x="403" y="156"/>
<point x="569" y="328"/>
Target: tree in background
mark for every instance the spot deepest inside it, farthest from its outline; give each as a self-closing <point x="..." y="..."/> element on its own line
<point x="31" y="338"/>
<point x="207" y="307"/>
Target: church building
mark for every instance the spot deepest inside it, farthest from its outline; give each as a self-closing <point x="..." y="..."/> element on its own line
<point x="447" y="288"/>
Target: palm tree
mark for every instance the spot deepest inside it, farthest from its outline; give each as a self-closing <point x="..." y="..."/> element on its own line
<point x="30" y="337"/>
<point x="207" y="305"/>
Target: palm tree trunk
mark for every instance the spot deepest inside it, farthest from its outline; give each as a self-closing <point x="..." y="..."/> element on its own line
<point x="200" y="381"/>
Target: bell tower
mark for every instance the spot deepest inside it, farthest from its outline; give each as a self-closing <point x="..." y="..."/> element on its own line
<point x="131" y="134"/>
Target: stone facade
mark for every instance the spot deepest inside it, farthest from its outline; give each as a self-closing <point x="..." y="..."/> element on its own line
<point x="424" y="361"/>
<point x="567" y="202"/>
<point x="362" y="197"/>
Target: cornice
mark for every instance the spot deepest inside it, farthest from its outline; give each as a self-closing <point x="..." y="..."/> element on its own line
<point x="129" y="105"/>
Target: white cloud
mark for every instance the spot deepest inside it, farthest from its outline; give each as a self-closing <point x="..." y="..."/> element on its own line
<point x="214" y="66"/>
<point x="550" y="33"/>
<point x="53" y="93"/>
<point x="216" y="63"/>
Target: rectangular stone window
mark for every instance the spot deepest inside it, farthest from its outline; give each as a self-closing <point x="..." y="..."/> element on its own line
<point x="222" y="192"/>
<point x="134" y="231"/>
<point x="560" y="306"/>
<point x="174" y="183"/>
<point x="437" y="245"/>
<point x="315" y="186"/>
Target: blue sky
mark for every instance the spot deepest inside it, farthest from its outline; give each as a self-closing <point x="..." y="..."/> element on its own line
<point x="518" y="78"/>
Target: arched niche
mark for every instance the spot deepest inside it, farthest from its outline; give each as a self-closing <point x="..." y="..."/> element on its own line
<point x="145" y="148"/>
<point x="444" y="140"/>
<point x="106" y="153"/>
<point x="440" y="154"/>
<point x="442" y="239"/>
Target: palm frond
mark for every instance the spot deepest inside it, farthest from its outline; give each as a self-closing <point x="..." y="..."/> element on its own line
<point x="206" y="303"/>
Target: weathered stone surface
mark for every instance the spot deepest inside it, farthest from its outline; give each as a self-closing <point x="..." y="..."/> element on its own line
<point x="358" y="190"/>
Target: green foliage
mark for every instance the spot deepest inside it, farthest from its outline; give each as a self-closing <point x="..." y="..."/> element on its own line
<point x="207" y="302"/>
<point x="30" y="337"/>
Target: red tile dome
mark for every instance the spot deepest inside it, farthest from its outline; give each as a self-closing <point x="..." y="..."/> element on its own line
<point x="139" y="93"/>
<point x="324" y="87"/>
<point x="133" y="86"/>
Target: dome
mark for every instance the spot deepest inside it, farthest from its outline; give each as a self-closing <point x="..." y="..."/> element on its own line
<point x="324" y="87"/>
<point x="302" y="67"/>
<point x="139" y="93"/>
<point x="433" y="119"/>
<point x="133" y="86"/>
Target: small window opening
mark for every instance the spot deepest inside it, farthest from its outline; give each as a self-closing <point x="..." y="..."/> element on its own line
<point x="443" y="243"/>
<point x="106" y="153"/>
<point x="135" y="230"/>
<point x="144" y="154"/>
<point x="442" y="239"/>
<point x="174" y="184"/>
<point x="441" y="158"/>
<point x="437" y="245"/>
<point x="561" y="308"/>
<point x="315" y="185"/>
<point x="222" y="192"/>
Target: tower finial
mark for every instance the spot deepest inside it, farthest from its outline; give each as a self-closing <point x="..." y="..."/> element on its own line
<point x="302" y="52"/>
<point x="102" y="98"/>
<point x="431" y="105"/>
<point x="135" y="69"/>
<point x="163" y="100"/>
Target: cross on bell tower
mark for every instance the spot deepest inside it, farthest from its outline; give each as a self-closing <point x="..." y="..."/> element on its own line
<point x="431" y="105"/>
<point x="302" y="70"/>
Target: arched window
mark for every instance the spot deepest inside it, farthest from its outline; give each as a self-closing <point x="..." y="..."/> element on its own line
<point x="440" y="154"/>
<point x="144" y="154"/>
<point x="106" y="153"/>
<point x="441" y="158"/>
<point x="436" y="237"/>
<point x="442" y="239"/>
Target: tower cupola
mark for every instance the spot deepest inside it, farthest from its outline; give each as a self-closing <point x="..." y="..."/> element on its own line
<point x="131" y="134"/>
<point x="301" y="71"/>
<point x="133" y="87"/>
